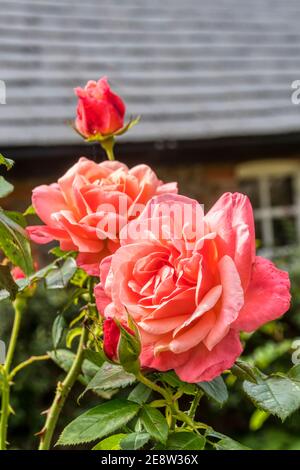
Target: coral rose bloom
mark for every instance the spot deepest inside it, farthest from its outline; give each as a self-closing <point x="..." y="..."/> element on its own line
<point x="191" y="297"/>
<point x="99" y="110"/>
<point x="88" y="206"/>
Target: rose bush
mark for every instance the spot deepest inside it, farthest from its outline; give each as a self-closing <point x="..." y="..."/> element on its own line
<point x="190" y="298"/>
<point x="86" y="209"/>
<point x="174" y="288"/>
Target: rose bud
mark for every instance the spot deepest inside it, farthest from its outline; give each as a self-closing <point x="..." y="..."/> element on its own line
<point x="100" y="112"/>
<point x="121" y="344"/>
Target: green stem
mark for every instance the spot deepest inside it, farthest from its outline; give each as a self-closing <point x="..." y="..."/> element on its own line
<point x="62" y="392"/>
<point x="195" y="404"/>
<point x="154" y="387"/>
<point x="186" y="420"/>
<point x="26" y="363"/>
<point x="180" y="415"/>
<point x="4" y="412"/>
<point x="19" y="305"/>
<point x="108" y="146"/>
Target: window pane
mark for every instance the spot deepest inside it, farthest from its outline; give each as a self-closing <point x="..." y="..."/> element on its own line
<point x="284" y="231"/>
<point x="251" y="189"/>
<point x="281" y="191"/>
<point x="258" y="234"/>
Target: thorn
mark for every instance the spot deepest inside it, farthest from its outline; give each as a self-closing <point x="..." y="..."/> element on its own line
<point x="41" y="432"/>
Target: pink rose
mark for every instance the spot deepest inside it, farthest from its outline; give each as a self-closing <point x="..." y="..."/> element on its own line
<point x="88" y="206"/>
<point x="99" y="110"/>
<point x="190" y="295"/>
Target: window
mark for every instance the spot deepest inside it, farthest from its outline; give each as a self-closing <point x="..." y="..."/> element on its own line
<point x="274" y="190"/>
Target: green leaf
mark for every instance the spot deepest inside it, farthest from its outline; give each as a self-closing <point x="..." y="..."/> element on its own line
<point x="4" y="294"/>
<point x="140" y="394"/>
<point x="110" y="443"/>
<point x="5" y="187"/>
<point x="134" y="441"/>
<point x="89" y="369"/>
<point x="63" y="358"/>
<point x="7" y="282"/>
<point x="17" y="221"/>
<point x="138" y="426"/>
<point x="185" y="441"/>
<point x="229" y="444"/>
<point x="37" y="276"/>
<point x="277" y="394"/>
<point x="59" y="278"/>
<point x="98" y="422"/>
<point x="6" y="162"/>
<point x="215" y="389"/>
<point x="245" y="371"/>
<point x="294" y="373"/>
<point x="154" y="423"/>
<point x="110" y="376"/>
<point x="95" y="357"/>
<point x="14" y="242"/>
<point x="58" y="327"/>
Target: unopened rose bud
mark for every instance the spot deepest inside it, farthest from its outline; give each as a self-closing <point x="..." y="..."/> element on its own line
<point x="100" y="112"/>
<point x="111" y="334"/>
<point x="121" y="345"/>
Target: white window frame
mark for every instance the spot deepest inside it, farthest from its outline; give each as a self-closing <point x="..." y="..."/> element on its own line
<point x="262" y="171"/>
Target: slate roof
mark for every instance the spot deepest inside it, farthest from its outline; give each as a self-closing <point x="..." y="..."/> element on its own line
<point x="193" y="69"/>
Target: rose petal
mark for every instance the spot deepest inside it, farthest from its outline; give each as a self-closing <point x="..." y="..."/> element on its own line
<point x="267" y="298"/>
<point x="231" y="302"/>
<point x="204" y="365"/>
<point x="194" y="335"/>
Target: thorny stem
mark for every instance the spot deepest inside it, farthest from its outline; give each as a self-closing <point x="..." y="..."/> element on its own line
<point x="180" y="415"/>
<point x="19" y="305"/>
<point x="62" y="392"/>
<point x="4" y="412"/>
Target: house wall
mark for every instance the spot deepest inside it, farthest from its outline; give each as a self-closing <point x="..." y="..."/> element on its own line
<point x="204" y="182"/>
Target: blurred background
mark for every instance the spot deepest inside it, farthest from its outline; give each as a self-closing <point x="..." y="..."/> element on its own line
<point x="213" y="83"/>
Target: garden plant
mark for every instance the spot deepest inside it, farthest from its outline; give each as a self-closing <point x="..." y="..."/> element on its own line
<point x="163" y="297"/>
